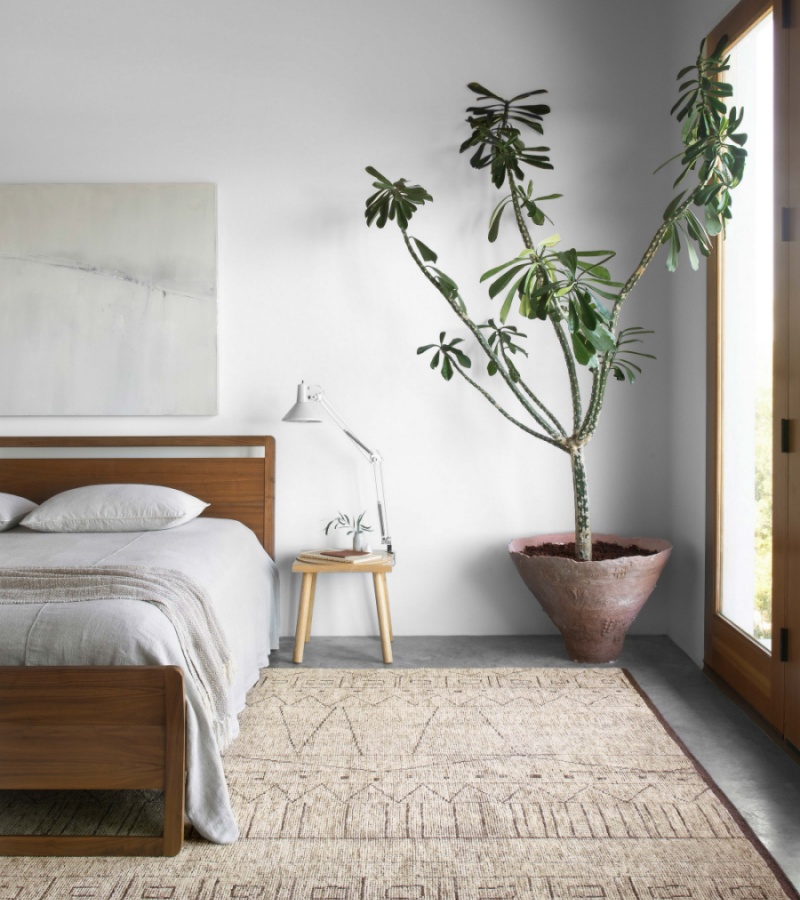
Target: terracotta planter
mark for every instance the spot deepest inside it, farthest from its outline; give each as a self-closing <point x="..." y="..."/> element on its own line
<point x="591" y="603"/>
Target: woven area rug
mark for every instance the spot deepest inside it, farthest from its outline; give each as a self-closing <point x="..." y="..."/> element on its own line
<point x="448" y="784"/>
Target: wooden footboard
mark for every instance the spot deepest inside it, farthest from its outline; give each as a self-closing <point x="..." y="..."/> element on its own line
<point x="94" y="728"/>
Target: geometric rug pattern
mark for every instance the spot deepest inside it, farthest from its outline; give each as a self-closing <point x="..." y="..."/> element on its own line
<point x="446" y="784"/>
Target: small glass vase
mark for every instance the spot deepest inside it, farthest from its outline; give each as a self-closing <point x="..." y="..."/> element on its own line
<point x="359" y="540"/>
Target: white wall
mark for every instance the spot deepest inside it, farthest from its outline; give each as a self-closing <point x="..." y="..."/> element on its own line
<point x="282" y="106"/>
<point x="686" y="406"/>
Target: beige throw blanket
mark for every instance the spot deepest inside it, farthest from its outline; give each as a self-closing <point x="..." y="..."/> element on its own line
<point x="184" y="603"/>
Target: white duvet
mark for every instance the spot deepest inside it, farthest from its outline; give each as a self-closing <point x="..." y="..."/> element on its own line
<point x="223" y="557"/>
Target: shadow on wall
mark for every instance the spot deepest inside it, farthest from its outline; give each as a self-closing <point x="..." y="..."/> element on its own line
<point x="492" y="575"/>
<point x="682" y="588"/>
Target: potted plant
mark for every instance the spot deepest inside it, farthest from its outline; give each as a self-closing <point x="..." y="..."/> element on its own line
<point x="592" y="600"/>
<point x="355" y="526"/>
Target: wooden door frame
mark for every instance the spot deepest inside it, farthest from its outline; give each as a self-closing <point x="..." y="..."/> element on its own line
<point x="788" y="284"/>
<point x="738" y="659"/>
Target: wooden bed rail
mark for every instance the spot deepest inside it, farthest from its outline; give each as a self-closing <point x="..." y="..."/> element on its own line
<point x="90" y="727"/>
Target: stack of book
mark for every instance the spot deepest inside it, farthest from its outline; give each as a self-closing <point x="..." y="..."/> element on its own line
<point x="347" y="557"/>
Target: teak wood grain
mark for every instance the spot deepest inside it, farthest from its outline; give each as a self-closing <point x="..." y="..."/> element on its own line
<point x="93" y="727"/>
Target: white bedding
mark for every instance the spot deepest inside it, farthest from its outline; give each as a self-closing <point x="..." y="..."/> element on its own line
<point x="223" y="557"/>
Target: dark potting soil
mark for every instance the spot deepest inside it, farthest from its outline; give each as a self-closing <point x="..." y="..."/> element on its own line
<point x="600" y="550"/>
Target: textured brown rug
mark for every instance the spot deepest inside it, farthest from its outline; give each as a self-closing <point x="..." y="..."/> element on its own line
<point x="449" y="784"/>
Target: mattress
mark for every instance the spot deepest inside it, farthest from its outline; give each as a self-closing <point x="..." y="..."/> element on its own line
<point x="221" y="556"/>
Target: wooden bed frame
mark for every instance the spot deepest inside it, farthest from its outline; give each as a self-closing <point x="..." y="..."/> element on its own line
<point x="118" y="727"/>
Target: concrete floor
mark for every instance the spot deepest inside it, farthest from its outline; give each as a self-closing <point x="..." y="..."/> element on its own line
<point x="758" y="776"/>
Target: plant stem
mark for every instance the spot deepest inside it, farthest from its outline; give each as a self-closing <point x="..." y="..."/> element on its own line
<point x="583" y="530"/>
<point x="574" y="386"/>
<point x="523" y="228"/>
<point x="555" y="441"/>
<point x="647" y="257"/>
<point x="599" y="383"/>
<point x="558" y="427"/>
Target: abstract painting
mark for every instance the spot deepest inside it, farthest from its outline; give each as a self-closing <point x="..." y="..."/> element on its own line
<point x="108" y="299"/>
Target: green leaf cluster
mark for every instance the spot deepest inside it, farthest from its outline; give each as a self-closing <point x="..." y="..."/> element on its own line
<point x="496" y="138"/>
<point x="682" y="222"/>
<point x="621" y="365"/>
<point x="441" y="279"/>
<point x="392" y="201"/>
<point x="713" y="152"/>
<point x="501" y="339"/>
<point x="526" y="202"/>
<point x="446" y="353"/>
<point x="564" y="286"/>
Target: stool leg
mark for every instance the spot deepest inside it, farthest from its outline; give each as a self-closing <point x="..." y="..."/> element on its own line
<point x="311" y="607"/>
<point x="388" y="611"/>
<point x="384" y="622"/>
<point x="304" y="615"/>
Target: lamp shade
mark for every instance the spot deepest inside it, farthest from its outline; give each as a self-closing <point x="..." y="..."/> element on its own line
<point x="305" y="409"/>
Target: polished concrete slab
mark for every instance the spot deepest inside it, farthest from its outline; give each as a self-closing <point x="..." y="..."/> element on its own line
<point x="759" y="777"/>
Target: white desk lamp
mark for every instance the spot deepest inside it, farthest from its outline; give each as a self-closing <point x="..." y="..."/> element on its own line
<point x="311" y="400"/>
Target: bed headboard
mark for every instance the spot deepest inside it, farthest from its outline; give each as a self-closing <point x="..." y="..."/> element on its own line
<point x="237" y="487"/>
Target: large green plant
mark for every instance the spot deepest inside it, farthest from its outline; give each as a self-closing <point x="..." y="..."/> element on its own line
<point x="570" y="290"/>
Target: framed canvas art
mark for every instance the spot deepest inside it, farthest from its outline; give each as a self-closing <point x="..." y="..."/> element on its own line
<point x="108" y="299"/>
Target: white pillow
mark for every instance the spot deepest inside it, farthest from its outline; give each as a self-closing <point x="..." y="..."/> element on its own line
<point x="13" y="510"/>
<point x="115" y="507"/>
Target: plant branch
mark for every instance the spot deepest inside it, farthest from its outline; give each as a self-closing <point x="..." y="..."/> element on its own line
<point x="647" y="257"/>
<point x="558" y="429"/>
<point x="574" y="386"/>
<point x="501" y="368"/>
<point x="556" y="442"/>
<point x="523" y="228"/>
<point x="599" y="382"/>
<point x="600" y="374"/>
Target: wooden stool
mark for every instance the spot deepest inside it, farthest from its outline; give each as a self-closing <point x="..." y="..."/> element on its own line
<point x="310" y="571"/>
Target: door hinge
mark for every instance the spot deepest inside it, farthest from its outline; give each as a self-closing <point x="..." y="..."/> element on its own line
<point x="786" y="13"/>
<point x="786" y="223"/>
<point x="786" y="435"/>
<point x="784" y="645"/>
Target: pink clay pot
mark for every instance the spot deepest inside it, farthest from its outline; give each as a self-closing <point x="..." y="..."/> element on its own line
<point x="591" y="603"/>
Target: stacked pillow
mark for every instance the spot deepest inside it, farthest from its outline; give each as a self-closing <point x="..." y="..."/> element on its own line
<point x="103" y="507"/>
<point x="13" y="510"/>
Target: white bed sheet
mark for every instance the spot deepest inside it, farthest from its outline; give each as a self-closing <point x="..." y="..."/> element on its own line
<point x="222" y="556"/>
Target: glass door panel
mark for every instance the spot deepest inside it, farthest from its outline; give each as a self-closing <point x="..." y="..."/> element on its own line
<point x="747" y="335"/>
